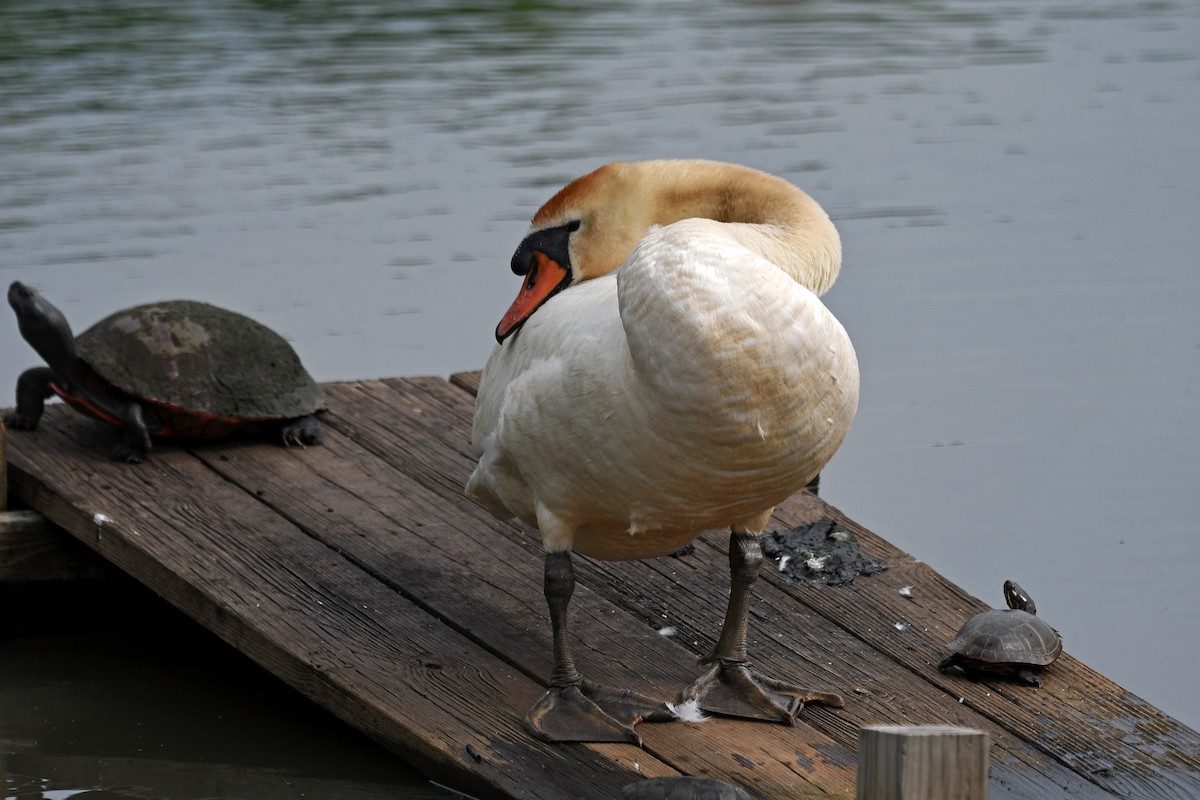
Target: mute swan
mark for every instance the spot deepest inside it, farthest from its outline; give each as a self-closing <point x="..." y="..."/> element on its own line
<point x="666" y="368"/>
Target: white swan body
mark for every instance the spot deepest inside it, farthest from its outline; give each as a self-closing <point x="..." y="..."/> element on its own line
<point x="694" y="388"/>
<point x="673" y="371"/>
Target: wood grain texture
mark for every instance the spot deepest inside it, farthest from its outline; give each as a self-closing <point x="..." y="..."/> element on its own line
<point x="483" y="577"/>
<point x="359" y="573"/>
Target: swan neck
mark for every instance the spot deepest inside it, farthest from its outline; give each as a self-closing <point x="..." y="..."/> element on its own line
<point x="613" y="208"/>
<point x="766" y="214"/>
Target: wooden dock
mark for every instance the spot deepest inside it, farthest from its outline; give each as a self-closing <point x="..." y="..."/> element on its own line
<point x="359" y="574"/>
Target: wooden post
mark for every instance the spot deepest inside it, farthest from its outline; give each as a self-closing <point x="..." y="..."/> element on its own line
<point x="922" y="762"/>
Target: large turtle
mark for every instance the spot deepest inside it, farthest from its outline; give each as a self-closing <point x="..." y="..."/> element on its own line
<point x="1010" y="642"/>
<point x="175" y="369"/>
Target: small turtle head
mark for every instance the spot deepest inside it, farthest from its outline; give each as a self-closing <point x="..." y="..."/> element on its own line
<point x="1017" y="598"/>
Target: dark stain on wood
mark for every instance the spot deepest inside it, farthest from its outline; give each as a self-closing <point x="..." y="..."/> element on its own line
<point x="820" y="553"/>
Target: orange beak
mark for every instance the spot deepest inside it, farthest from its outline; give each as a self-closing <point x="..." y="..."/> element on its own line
<point x="544" y="279"/>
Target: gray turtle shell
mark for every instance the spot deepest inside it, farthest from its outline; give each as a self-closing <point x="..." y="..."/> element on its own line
<point x="1008" y="636"/>
<point x="201" y="359"/>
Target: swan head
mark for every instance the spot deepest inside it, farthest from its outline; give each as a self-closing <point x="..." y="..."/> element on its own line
<point x="587" y="229"/>
<point x="591" y="225"/>
<point x="544" y="259"/>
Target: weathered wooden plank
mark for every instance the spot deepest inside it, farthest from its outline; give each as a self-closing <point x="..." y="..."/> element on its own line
<point x="383" y="501"/>
<point x="408" y="525"/>
<point x="468" y="381"/>
<point x="660" y="586"/>
<point x="1082" y="732"/>
<point x="1085" y="734"/>
<point x="33" y="550"/>
<point x="306" y="613"/>
<point x="1081" y="718"/>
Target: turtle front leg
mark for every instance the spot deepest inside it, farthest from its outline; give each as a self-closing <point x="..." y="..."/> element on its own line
<point x="33" y="387"/>
<point x="302" y="431"/>
<point x="731" y="686"/>
<point x="951" y="666"/>
<point x="1028" y="677"/>
<point x="135" y="444"/>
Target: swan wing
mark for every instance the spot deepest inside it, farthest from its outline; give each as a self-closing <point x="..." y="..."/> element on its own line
<point x="696" y="387"/>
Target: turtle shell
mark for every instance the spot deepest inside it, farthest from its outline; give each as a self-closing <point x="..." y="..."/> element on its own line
<point x="205" y="368"/>
<point x="1007" y="636"/>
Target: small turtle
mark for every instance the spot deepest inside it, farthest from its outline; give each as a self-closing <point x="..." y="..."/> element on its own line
<point x="1010" y="642"/>
<point x="174" y="369"/>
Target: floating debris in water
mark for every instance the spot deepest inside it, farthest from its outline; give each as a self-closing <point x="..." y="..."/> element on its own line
<point x="669" y="630"/>
<point x="905" y="591"/>
<point x="821" y="552"/>
<point x="900" y="626"/>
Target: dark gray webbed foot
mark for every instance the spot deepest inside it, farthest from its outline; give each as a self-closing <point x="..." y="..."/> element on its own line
<point x="591" y="712"/>
<point x="737" y="690"/>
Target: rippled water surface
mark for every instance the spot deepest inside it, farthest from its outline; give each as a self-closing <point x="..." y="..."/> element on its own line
<point x="1015" y="183"/>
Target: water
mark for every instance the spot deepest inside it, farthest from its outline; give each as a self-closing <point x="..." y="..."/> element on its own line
<point x="105" y="687"/>
<point x="1015" y="183"/>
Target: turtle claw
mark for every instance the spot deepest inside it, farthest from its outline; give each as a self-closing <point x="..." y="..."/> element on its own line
<point x="21" y="422"/>
<point x="590" y="712"/>
<point x="1029" y="678"/>
<point x="303" y="431"/>
<point x="736" y="690"/>
<point x="135" y="445"/>
<point x="130" y="455"/>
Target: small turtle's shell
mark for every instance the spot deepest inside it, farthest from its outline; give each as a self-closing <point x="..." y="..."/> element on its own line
<point x="1007" y="636"/>
<point x="204" y="367"/>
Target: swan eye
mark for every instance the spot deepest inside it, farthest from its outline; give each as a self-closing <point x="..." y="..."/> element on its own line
<point x="573" y="225"/>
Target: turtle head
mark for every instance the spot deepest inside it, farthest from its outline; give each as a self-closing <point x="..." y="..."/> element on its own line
<point x="1017" y="598"/>
<point x="42" y="325"/>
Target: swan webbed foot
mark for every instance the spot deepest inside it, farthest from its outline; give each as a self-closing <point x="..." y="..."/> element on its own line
<point x="736" y="690"/>
<point x="590" y="712"/>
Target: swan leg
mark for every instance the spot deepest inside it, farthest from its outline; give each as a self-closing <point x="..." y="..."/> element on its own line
<point x="731" y="686"/>
<point x="576" y="709"/>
